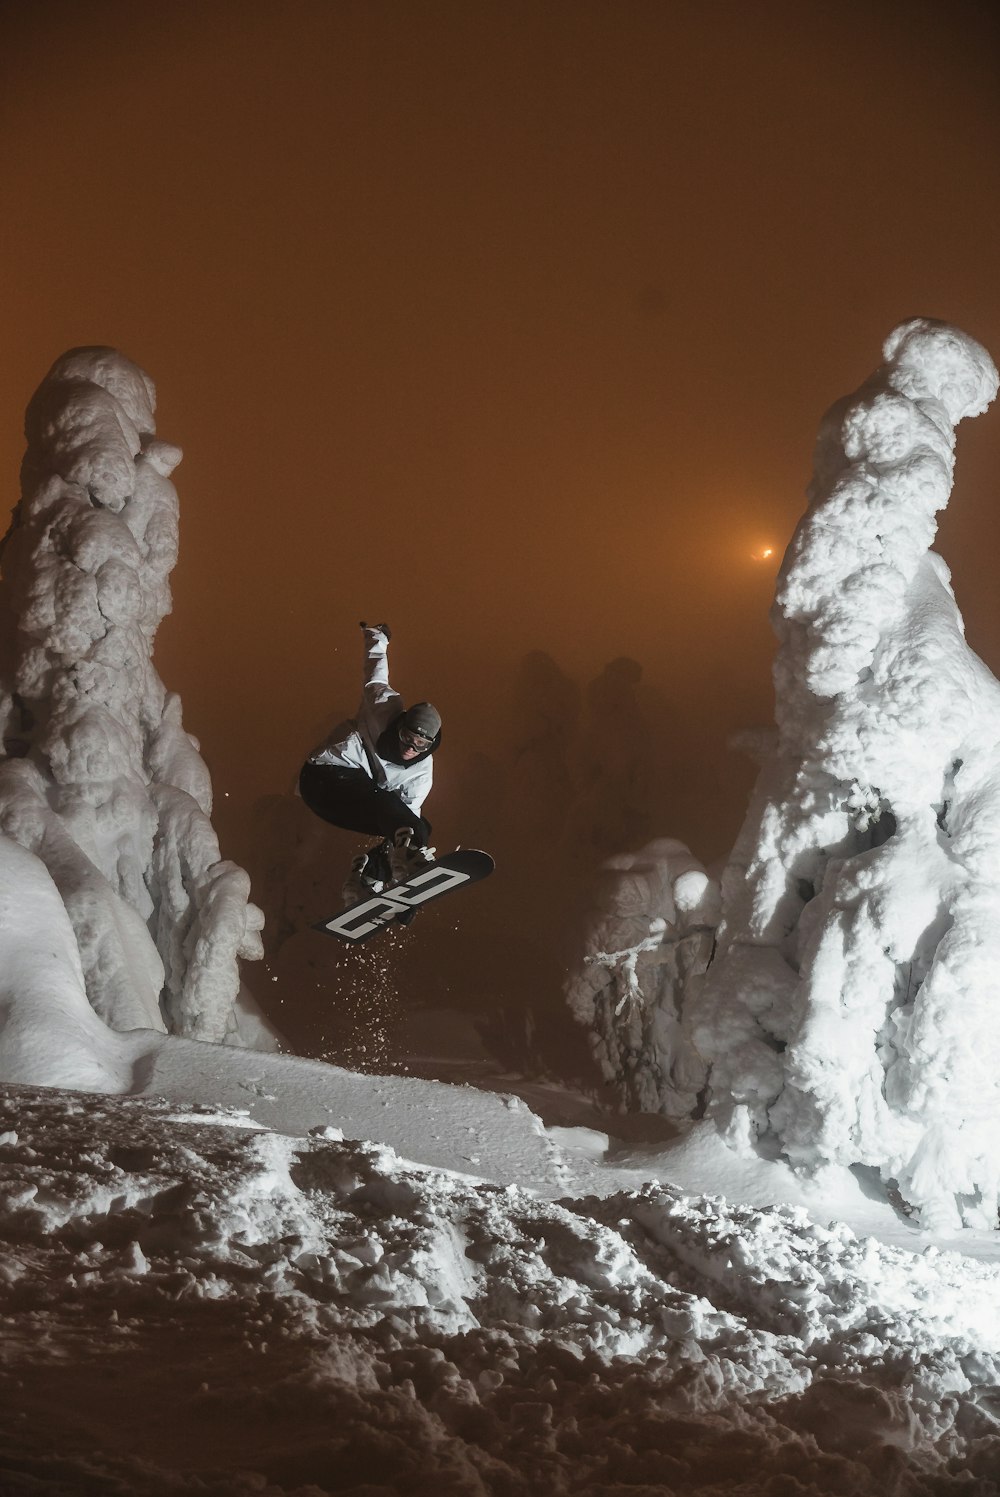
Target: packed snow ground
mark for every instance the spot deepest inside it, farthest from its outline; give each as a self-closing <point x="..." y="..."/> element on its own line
<point x="208" y="1289"/>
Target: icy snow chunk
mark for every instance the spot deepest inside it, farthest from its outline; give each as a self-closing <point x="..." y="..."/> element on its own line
<point x="584" y="1143"/>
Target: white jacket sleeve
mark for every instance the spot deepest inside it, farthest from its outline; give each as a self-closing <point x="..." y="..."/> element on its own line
<point x="379" y="704"/>
<point x="377" y="691"/>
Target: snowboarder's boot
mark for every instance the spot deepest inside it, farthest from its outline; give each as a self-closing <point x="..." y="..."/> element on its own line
<point x="361" y="881"/>
<point x="404" y="858"/>
<point x="379" y="867"/>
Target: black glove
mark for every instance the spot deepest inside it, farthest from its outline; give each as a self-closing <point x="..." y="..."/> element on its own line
<point x="382" y="628"/>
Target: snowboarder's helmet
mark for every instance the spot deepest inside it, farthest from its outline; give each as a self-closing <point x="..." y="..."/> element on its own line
<point x="422" y="718"/>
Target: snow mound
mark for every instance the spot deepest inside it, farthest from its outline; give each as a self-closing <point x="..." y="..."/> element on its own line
<point x="848" y="1013"/>
<point x="50" y="1034"/>
<point x="99" y="780"/>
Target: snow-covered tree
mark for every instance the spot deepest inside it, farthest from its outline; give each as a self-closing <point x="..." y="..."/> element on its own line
<point x="850" y="1011"/>
<point x="99" y="778"/>
<point x="651" y="932"/>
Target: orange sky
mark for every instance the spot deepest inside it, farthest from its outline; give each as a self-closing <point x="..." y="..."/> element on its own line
<point x="511" y="323"/>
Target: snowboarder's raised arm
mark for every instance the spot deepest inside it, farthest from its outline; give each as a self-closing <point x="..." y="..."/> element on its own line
<point x="376" y="689"/>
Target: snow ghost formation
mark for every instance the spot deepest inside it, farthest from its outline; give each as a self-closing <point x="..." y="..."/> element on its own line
<point x="99" y="779"/>
<point x="849" y="1011"/>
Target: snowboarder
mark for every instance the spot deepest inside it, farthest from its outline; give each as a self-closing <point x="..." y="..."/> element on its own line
<point x="373" y="775"/>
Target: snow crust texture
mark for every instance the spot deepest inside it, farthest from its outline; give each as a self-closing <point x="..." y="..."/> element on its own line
<point x="360" y="1325"/>
<point x="99" y="780"/>
<point x="848" y="1014"/>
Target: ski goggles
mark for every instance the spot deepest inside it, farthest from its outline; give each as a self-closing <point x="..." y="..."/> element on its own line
<point x="414" y="740"/>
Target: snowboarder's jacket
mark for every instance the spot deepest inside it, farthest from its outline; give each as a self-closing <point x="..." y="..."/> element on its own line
<point x="370" y="742"/>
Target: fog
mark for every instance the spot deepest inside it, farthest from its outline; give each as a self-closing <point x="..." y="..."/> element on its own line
<point x="511" y="324"/>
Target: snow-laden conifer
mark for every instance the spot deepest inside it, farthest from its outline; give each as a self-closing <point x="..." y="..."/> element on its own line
<point x="850" y="1011"/>
<point x="99" y="779"/>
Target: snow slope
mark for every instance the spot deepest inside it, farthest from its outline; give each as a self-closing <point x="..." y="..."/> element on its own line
<point x="191" y="1303"/>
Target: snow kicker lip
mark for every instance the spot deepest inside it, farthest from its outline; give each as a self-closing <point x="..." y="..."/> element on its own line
<point x="361" y="921"/>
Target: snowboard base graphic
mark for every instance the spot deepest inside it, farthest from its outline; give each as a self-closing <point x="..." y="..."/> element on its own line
<point x="362" y="920"/>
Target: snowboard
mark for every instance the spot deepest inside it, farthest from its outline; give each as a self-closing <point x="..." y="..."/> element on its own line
<point x="362" y="920"/>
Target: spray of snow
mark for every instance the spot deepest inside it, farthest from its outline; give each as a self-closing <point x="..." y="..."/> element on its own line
<point x="848" y="1015"/>
<point x="100" y="782"/>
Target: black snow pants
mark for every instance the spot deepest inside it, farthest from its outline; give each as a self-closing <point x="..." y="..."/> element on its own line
<point x="350" y="798"/>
